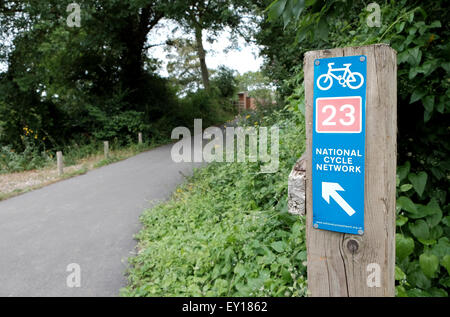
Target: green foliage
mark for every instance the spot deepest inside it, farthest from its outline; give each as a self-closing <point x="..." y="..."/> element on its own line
<point x="183" y="65"/>
<point x="30" y="158"/>
<point x="225" y="80"/>
<point x="419" y="32"/>
<point x="258" y="86"/>
<point x="95" y="81"/>
<point x="226" y="232"/>
<point x="424" y="235"/>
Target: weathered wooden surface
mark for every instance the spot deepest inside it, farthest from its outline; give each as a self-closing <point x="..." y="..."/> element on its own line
<point x="297" y="187"/>
<point x="338" y="263"/>
<point x="59" y="163"/>
<point x="140" y="137"/>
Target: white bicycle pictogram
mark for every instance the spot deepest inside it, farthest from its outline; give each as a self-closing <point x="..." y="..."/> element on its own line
<point x="349" y="78"/>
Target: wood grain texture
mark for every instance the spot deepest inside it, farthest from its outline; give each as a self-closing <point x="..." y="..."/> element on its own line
<point x="333" y="268"/>
<point x="297" y="187"/>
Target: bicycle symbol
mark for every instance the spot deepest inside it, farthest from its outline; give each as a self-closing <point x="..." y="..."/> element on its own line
<point x="352" y="80"/>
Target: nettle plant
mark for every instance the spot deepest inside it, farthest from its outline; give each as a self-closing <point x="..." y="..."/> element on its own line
<point x="422" y="243"/>
<point x="419" y="32"/>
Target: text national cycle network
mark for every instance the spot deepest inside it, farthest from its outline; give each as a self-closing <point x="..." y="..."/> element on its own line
<point x="338" y="160"/>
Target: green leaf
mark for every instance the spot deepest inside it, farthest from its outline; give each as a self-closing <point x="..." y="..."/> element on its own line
<point x="428" y="67"/>
<point x="298" y="8"/>
<point x="275" y="9"/>
<point x="400" y="291"/>
<point x="429" y="263"/>
<point x="278" y="246"/>
<point x="399" y="274"/>
<point x="435" y="24"/>
<point x="297" y="228"/>
<point x="405" y="187"/>
<point x="410" y="16"/>
<point x="404" y="246"/>
<point x="437" y="292"/>
<point x="445" y="262"/>
<point x="446" y="66"/>
<point x="440" y="107"/>
<point x="322" y="29"/>
<point x="415" y="55"/>
<point x="434" y="212"/>
<point x="436" y="232"/>
<point x="442" y="248"/>
<point x="301" y="256"/>
<point x="406" y="204"/>
<point x="417" y="95"/>
<point x="446" y="220"/>
<point x="286" y="276"/>
<point x="418" y="279"/>
<point x="420" y="229"/>
<point x="239" y="270"/>
<point x="445" y="281"/>
<point x="287" y="13"/>
<point x="418" y="181"/>
<point x="428" y="103"/>
<point x="401" y="220"/>
<point x="427" y="115"/>
<point x="400" y="26"/>
<point x="413" y="71"/>
<point x="403" y="170"/>
<point x="416" y="292"/>
<point x="427" y="242"/>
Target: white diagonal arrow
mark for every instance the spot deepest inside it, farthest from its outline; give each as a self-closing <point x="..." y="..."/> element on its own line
<point x="330" y="190"/>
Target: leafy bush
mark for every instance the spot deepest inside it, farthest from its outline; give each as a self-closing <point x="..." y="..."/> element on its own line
<point x="422" y="243"/>
<point x="30" y="158"/>
<point x="202" y="104"/>
<point x="226" y="232"/>
<point x="33" y="155"/>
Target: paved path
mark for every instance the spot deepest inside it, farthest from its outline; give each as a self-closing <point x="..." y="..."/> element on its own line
<point x="89" y="220"/>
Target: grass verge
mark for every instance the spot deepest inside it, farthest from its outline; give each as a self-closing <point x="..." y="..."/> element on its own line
<point x="226" y="232"/>
<point x="14" y="184"/>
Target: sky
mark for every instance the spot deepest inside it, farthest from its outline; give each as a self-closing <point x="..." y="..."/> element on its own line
<point x="242" y="59"/>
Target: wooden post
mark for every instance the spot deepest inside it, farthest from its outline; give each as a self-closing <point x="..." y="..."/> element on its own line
<point x="140" y="137"/>
<point x="59" y="163"/>
<point x="344" y="264"/>
<point x="297" y="187"/>
<point x="106" y="149"/>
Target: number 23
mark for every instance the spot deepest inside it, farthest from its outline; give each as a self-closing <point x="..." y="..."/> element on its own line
<point x="350" y="114"/>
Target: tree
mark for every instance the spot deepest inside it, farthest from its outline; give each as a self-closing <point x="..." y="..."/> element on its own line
<point x="183" y="66"/>
<point x="198" y="16"/>
<point x="88" y="74"/>
<point x="224" y="79"/>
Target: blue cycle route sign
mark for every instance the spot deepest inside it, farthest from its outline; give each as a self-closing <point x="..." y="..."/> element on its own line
<point x="338" y="143"/>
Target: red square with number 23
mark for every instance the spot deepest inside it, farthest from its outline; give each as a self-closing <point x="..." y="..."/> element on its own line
<point x="338" y="115"/>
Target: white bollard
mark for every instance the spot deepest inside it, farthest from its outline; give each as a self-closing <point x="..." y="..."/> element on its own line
<point x="60" y="163"/>
<point x="106" y="149"/>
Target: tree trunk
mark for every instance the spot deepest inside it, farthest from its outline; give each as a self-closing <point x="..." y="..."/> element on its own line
<point x="134" y="36"/>
<point x="201" y="55"/>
